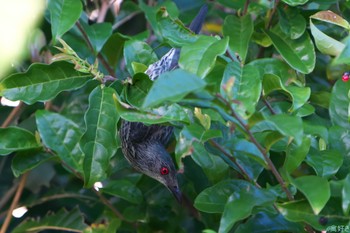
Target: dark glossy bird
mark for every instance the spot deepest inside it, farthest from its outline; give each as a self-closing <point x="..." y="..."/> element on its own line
<point x="144" y="146"/>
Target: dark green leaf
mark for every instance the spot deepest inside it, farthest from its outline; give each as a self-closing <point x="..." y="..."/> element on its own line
<point x="124" y="189"/>
<point x="138" y="51"/>
<point x="199" y="57"/>
<point x="287" y="125"/>
<point x="14" y="139"/>
<point x="42" y="82"/>
<point x="265" y="222"/>
<point x="239" y="30"/>
<point x="28" y="160"/>
<point x="296" y="154"/>
<point x="241" y="203"/>
<point x="339" y="104"/>
<point x="326" y="163"/>
<point x="98" y="34"/>
<point x="173" y="31"/>
<point x="172" y="86"/>
<point x="242" y="84"/>
<point x="62" y="136"/>
<point x="136" y="93"/>
<point x="99" y="142"/>
<point x="299" y="95"/>
<point x="299" y="53"/>
<point x="64" y="14"/>
<point x="316" y="190"/>
<point x="292" y="22"/>
<point x="276" y="67"/>
<point x="300" y="211"/>
<point x="63" y="220"/>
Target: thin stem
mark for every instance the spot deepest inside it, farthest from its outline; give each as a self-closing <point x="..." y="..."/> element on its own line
<point x="233" y="159"/>
<point x="262" y="150"/>
<point x="269" y="22"/>
<point x="14" y="203"/>
<point x="125" y="19"/>
<point x="109" y="205"/>
<point x="14" y="113"/>
<point x="245" y="10"/>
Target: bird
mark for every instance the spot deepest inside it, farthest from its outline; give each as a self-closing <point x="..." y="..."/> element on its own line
<point x="144" y="146"/>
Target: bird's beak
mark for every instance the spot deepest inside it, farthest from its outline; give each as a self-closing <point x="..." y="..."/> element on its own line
<point x="176" y="192"/>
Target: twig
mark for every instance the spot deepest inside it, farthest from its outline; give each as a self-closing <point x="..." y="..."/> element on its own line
<point x="262" y="150"/>
<point x="14" y="203"/>
<point x="14" y="113"/>
<point x="245" y="10"/>
<point x="124" y="20"/>
<point x="233" y="159"/>
<point x="109" y="205"/>
<point x="272" y="12"/>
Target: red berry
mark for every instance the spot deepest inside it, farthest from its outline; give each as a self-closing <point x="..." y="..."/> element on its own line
<point x="346" y="77"/>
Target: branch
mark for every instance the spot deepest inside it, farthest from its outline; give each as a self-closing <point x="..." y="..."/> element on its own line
<point x="14" y="113"/>
<point x="14" y="203"/>
<point x="262" y="150"/>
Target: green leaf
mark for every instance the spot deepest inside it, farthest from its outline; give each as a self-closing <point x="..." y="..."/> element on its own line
<point x="138" y="51"/>
<point x="173" y="31"/>
<point x="14" y="139"/>
<point x="295" y="2"/>
<point x="343" y="57"/>
<point x="339" y="104"/>
<point x="268" y="222"/>
<point x="63" y="15"/>
<point x="62" y="136"/>
<point x="63" y="220"/>
<point x="287" y="125"/>
<point x="239" y="30"/>
<point x="300" y="211"/>
<point x="276" y="67"/>
<point x="97" y="34"/>
<point x="199" y="57"/>
<point x="324" y="43"/>
<point x="246" y="87"/>
<point x="213" y="199"/>
<point x="315" y="189"/>
<point x="291" y="22"/>
<point x="123" y="189"/>
<point x="28" y="160"/>
<point x="299" y="53"/>
<point x="213" y="166"/>
<point x="99" y="142"/>
<point x="151" y="14"/>
<point x="137" y="92"/>
<point x="172" y="86"/>
<point x="326" y="163"/>
<point x="299" y="95"/>
<point x="113" y="49"/>
<point x="345" y="192"/>
<point x="42" y="82"/>
<point x="296" y="154"/>
<point x="161" y="114"/>
<point x="241" y="203"/>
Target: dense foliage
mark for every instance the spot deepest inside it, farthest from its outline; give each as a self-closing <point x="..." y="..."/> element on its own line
<point x="260" y="110"/>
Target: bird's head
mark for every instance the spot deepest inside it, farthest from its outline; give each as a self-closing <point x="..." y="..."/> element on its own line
<point x="154" y="161"/>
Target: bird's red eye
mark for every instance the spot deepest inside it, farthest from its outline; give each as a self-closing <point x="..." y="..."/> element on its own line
<point x="164" y="171"/>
